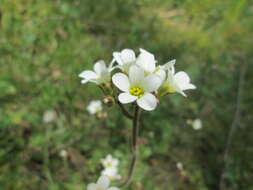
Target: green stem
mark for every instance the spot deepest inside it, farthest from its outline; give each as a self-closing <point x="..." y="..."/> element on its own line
<point x="135" y="132"/>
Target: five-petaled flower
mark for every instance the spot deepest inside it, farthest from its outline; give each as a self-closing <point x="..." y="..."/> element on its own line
<point x="109" y="161"/>
<point x="103" y="183"/>
<point x="100" y="75"/>
<point x="125" y="59"/>
<point x="177" y="82"/>
<point x="137" y="87"/>
<point x="94" y="107"/>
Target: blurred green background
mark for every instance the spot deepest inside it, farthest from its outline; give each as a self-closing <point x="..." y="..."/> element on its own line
<point x="45" y="44"/>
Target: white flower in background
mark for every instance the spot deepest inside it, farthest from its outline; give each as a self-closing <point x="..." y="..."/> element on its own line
<point x="110" y="162"/>
<point x="177" y="82"/>
<point x="49" y="116"/>
<point x="125" y="59"/>
<point x="94" y="107"/>
<point x="137" y="87"/>
<point x="197" y="124"/>
<point x="179" y="165"/>
<point x="63" y="153"/>
<point x="103" y="183"/>
<point x="112" y="173"/>
<point x="100" y="75"/>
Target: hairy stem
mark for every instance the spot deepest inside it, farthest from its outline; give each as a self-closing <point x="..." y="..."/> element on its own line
<point x="134" y="146"/>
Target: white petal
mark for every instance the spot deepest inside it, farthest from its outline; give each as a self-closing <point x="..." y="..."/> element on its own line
<point x="169" y="66"/>
<point x="88" y="75"/>
<point x="100" y="67"/>
<point x="146" y="60"/>
<point x="125" y="98"/>
<point x="127" y="56"/>
<point x="145" y="51"/>
<point x="161" y="73"/>
<point x="121" y="81"/>
<point x="183" y="81"/>
<point x="191" y="86"/>
<point x="182" y="93"/>
<point x="115" y="162"/>
<point x="147" y="102"/>
<point x="113" y="188"/>
<point x="152" y="83"/>
<point x="182" y="77"/>
<point x="103" y="182"/>
<point x="110" y="171"/>
<point x="136" y="74"/>
<point x="84" y="81"/>
<point x="109" y="157"/>
<point x="92" y="186"/>
<point x="117" y="57"/>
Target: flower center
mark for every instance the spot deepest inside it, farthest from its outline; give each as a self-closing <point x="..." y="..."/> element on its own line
<point x="136" y="91"/>
<point x="109" y="164"/>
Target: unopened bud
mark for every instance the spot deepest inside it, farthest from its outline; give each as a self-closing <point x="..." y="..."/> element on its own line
<point x="108" y="100"/>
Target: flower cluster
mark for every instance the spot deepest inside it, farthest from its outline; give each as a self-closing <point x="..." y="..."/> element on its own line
<point x="110" y="165"/>
<point x="138" y="78"/>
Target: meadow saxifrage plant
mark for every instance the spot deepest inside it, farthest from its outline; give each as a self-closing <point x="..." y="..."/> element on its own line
<point x="137" y="80"/>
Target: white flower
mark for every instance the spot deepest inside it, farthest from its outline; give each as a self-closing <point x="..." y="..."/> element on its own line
<point x="100" y="76"/>
<point x="94" y="107"/>
<point x="103" y="183"/>
<point x="137" y="87"/>
<point x="63" y="153"/>
<point x="110" y="162"/>
<point x="197" y="124"/>
<point x="177" y="82"/>
<point x="49" y="116"/>
<point x="112" y="173"/>
<point x="179" y="165"/>
<point x="125" y="59"/>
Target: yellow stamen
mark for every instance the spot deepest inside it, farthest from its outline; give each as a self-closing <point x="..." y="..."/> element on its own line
<point x="136" y="91"/>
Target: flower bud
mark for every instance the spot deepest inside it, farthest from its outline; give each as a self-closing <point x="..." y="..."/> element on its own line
<point x="108" y="100"/>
